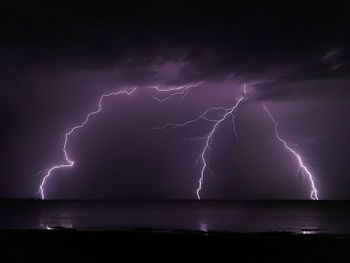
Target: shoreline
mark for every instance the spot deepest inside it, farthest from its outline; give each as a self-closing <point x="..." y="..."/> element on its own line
<point x="155" y="245"/>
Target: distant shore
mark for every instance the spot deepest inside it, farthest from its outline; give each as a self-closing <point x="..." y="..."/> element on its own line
<point x="154" y="245"/>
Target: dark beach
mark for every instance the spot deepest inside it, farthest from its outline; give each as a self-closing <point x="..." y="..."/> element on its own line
<point x="175" y="230"/>
<point x="157" y="246"/>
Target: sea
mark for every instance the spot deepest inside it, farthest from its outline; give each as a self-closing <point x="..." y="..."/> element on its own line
<point x="300" y="217"/>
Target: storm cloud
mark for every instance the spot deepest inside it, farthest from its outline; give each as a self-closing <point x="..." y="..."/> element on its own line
<point x="58" y="57"/>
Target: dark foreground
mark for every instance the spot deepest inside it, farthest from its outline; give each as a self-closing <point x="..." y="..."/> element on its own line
<point x="179" y="246"/>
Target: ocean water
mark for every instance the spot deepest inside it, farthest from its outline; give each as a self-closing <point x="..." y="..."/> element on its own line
<point x="305" y="217"/>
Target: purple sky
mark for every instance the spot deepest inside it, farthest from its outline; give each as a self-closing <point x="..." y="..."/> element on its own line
<point x="58" y="59"/>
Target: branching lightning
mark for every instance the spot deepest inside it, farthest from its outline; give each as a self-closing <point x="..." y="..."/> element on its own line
<point x="302" y="168"/>
<point x="68" y="161"/>
<point x="201" y="117"/>
<point x="224" y="113"/>
<point x="214" y="116"/>
<point x="208" y="140"/>
<point x="175" y="91"/>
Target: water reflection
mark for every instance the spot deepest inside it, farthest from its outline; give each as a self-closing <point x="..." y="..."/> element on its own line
<point x="300" y="217"/>
<point x="310" y="225"/>
<point x="308" y="232"/>
<point x="203" y="227"/>
<point x="55" y="224"/>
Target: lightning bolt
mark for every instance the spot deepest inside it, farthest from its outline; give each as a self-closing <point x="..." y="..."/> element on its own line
<point x="186" y="123"/>
<point x="224" y="113"/>
<point x="304" y="170"/>
<point x="68" y="162"/>
<point x="208" y="140"/>
<point x="175" y="91"/>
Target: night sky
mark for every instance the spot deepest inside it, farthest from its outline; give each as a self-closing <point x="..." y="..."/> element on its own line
<point x="58" y="58"/>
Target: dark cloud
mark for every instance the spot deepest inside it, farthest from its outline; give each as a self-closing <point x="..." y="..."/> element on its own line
<point x="212" y="41"/>
<point x="57" y="58"/>
<point x="327" y="76"/>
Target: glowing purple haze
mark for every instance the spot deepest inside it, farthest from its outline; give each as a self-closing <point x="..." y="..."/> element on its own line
<point x="222" y="114"/>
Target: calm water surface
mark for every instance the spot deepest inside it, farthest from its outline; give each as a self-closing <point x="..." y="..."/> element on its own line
<point x="307" y="217"/>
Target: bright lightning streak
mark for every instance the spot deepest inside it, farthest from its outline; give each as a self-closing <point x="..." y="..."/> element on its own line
<point x="302" y="166"/>
<point x="175" y="91"/>
<point x="207" y="144"/>
<point x="69" y="162"/>
<point x="201" y="117"/>
<point x="183" y="90"/>
<point x="225" y="112"/>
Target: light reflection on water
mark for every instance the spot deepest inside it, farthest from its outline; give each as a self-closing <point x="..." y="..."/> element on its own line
<point x="302" y="217"/>
<point x="203" y="227"/>
<point x="59" y="223"/>
<point x="308" y="232"/>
